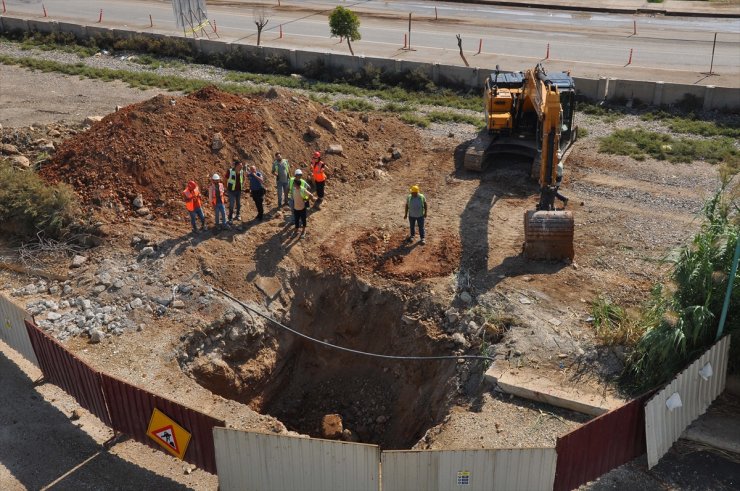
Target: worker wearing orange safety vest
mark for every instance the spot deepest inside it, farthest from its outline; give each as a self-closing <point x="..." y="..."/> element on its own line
<point x="194" y="203"/>
<point x="216" y="195"/>
<point x="319" y="177"/>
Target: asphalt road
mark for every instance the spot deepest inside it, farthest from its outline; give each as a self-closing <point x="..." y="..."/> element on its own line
<point x="674" y="49"/>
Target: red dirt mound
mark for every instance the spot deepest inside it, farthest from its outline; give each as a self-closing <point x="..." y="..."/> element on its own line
<point x="153" y="148"/>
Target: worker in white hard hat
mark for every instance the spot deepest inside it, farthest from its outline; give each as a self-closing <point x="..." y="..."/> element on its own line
<point x="298" y="176"/>
<point x="216" y="194"/>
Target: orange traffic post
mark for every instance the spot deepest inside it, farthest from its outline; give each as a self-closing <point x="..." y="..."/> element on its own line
<point x="435" y="13"/>
<point x="629" y="62"/>
<point x="4" y="9"/>
<point x="215" y="27"/>
<point x="405" y="40"/>
<point x="480" y="45"/>
<point x="281" y="31"/>
<point x="100" y="19"/>
<point x="44" y="7"/>
<point x="634" y="27"/>
<point x="151" y="22"/>
<point x="547" y="54"/>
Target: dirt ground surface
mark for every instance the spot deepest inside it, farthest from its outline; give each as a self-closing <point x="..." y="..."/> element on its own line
<point x="142" y="306"/>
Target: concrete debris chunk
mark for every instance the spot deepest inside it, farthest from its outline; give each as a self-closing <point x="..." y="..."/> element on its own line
<point x="335" y="149"/>
<point x="326" y="123"/>
<point x="91" y="120"/>
<point x="78" y="261"/>
<point x="217" y="142"/>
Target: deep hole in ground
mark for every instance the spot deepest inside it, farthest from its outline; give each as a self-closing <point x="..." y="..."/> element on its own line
<point x="386" y="402"/>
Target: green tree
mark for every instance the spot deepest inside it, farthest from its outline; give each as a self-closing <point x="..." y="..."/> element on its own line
<point x="345" y="24"/>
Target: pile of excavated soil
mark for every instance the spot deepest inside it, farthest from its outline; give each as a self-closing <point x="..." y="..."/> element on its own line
<point x="153" y="148"/>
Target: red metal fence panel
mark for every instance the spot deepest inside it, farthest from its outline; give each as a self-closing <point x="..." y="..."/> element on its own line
<point x="74" y="376"/>
<point x="131" y="409"/>
<point x="600" y="445"/>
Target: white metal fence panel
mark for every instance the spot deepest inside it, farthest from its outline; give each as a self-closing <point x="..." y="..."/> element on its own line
<point x="686" y="398"/>
<point x="530" y="469"/>
<point x="249" y="461"/>
<point x="437" y="470"/>
<point x="469" y="470"/>
<point x="13" y="329"/>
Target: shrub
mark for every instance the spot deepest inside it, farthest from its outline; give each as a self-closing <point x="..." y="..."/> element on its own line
<point x="29" y="206"/>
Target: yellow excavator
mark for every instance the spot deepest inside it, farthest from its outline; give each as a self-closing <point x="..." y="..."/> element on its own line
<point x="532" y="113"/>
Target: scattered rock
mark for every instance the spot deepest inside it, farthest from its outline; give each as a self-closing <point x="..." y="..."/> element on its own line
<point x="313" y="132"/>
<point x="331" y="426"/>
<point x="270" y="286"/>
<point x="138" y="201"/>
<point x="365" y="118"/>
<point x="363" y="135"/>
<point x="407" y="319"/>
<point x="524" y="300"/>
<point x="147" y="251"/>
<point x="381" y="419"/>
<point x="9" y="149"/>
<point x="335" y="149"/>
<point x="118" y="108"/>
<point x="136" y="303"/>
<point x="460" y="339"/>
<point x="19" y="161"/>
<point x="178" y="304"/>
<point x="452" y="316"/>
<point x="142" y="211"/>
<point x="78" y="261"/>
<point x="53" y="316"/>
<point x="91" y="120"/>
<point x="326" y="123"/>
<point x="47" y="147"/>
<point x="272" y="93"/>
<point x="396" y="154"/>
<point x="76" y="414"/>
<point x="96" y="336"/>
<point x="466" y="297"/>
<point x="217" y="142"/>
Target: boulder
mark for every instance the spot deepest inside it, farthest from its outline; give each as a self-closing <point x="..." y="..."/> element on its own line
<point x="138" y="201"/>
<point x="96" y="336"/>
<point x="363" y="135"/>
<point x="8" y="149"/>
<point x="335" y="149"/>
<point x="396" y="154"/>
<point x="326" y="123"/>
<point x="19" y="161"/>
<point x="217" y="142"/>
<point x="331" y="426"/>
<point x="142" y="212"/>
<point x="91" y="120"/>
<point x="47" y="147"/>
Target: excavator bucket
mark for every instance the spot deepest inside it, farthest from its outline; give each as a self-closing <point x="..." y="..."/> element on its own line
<point x="548" y="235"/>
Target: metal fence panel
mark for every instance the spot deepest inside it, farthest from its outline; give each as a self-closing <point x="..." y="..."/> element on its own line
<point x="664" y="426"/>
<point x="262" y="462"/>
<point x="410" y="470"/>
<point x="530" y="469"/>
<point x="600" y="445"/>
<point x="131" y="409"/>
<point x="13" y="330"/>
<point x="74" y="376"/>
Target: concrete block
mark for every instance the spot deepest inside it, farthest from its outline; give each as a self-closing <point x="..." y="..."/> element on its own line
<point x="213" y="47"/>
<point x="98" y="32"/>
<point x="726" y="98"/>
<point x="11" y="24"/>
<point x="531" y="384"/>
<point x="587" y="88"/>
<point x="658" y="93"/>
<point x="708" y="98"/>
<point x="304" y="57"/>
<point x="78" y="30"/>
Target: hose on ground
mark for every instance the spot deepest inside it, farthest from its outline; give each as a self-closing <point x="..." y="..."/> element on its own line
<point x="342" y="348"/>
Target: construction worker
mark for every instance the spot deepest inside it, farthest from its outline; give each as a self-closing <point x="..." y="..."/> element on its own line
<point x="216" y="195"/>
<point x="257" y="190"/>
<point x="234" y="187"/>
<point x="194" y="203"/>
<point x="281" y="171"/>
<point x="298" y="176"/>
<point x="416" y="211"/>
<point x="300" y="198"/>
<point x="319" y="176"/>
<point x="559" y="174"/>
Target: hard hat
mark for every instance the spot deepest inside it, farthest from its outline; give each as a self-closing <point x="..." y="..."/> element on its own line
<point x="216" y="177"/>
<point x="298" y="172"/>
<point x="191" y="185"/>
<point x="316" y="155"/>
<point x="414" y="189"/>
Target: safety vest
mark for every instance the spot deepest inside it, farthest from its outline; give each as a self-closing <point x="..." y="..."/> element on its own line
<point x="281" y="163"/>
<point x="290" y="187"/>
<point x="212" y="193"/>
<point x="423" y="203"/>
<point x="192" y="199"/>
<point x="231" y="183"/>
<point x="318" y="171"/>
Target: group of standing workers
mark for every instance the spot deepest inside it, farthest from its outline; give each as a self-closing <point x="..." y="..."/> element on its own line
<point x="292" y="191"/>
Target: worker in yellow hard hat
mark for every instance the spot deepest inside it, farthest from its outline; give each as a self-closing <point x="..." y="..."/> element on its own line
<point x="416" y="211"/>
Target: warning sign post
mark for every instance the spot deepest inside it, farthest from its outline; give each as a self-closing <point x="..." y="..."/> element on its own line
<point x="168" y="434"/>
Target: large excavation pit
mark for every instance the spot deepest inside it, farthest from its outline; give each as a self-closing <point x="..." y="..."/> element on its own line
<point x="311" y="388"/>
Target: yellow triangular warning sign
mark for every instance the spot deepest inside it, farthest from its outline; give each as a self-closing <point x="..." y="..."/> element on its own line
<point x="168" y="434"/>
